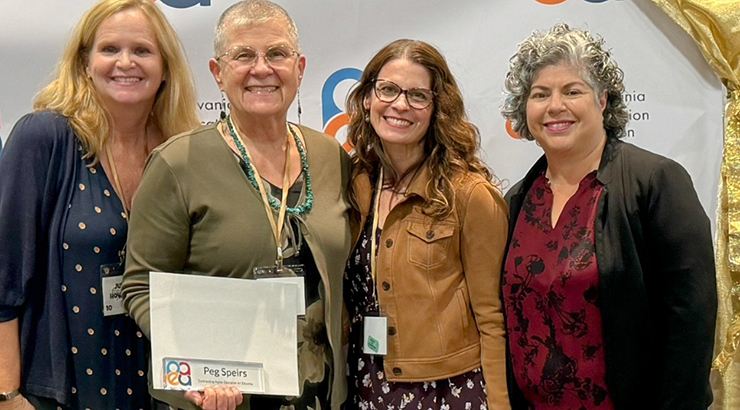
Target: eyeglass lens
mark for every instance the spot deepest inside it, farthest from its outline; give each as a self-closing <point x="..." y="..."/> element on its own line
<point x="388" y="91"/>
<point x="275" y="55"/>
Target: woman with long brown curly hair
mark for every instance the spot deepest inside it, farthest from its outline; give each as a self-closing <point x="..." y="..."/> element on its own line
<point x="422" y="283"/>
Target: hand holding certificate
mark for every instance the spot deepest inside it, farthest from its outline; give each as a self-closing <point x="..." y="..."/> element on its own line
<point x="216" y="397"/>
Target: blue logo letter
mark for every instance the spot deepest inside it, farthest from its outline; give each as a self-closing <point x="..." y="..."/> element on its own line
<point x="184" y="4"/>
<point x="329" y="107"/>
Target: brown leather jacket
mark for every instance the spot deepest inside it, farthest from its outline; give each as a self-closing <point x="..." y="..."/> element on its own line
<point x="439" y="284"/>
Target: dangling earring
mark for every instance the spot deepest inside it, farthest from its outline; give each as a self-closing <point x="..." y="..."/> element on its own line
<point x="300" y="110"/>
<point x="223" y="107"/>
<point x="367" y="117"/>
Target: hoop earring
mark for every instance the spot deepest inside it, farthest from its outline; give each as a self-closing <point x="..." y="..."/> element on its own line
<point x="222" y="115"/>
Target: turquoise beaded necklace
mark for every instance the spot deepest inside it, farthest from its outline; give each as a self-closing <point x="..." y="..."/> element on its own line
<point x="308" y="203"/>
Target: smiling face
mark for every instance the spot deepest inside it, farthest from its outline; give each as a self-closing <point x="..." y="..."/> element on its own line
<point x="125" y="63"/>
<point x="563" y="113"/>
<point x="398" y="125"/>
<point x="260" y="90"/>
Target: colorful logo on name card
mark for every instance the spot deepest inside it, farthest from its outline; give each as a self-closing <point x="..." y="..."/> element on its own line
<point x="332" y="115"/>
<point x="177" y="373"/>
<point x="186" y="4"/>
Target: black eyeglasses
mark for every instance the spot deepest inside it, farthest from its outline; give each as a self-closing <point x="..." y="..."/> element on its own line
<point x="388" y="92"/>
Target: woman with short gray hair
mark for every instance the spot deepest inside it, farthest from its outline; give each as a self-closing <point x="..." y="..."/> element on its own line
<point x="252" y="194"/>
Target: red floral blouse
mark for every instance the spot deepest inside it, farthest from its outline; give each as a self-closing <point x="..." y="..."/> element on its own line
<point x="550" y="289"/>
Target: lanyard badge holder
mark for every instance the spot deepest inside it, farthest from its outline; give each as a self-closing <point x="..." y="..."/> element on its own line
<point x="375" y="328"/>
<point x="279" y="272"/>
<point x="111" y="278"/>
<point x="111" y="274"/>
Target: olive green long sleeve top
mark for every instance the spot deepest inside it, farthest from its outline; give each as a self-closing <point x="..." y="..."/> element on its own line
<point x="196" y="212"/>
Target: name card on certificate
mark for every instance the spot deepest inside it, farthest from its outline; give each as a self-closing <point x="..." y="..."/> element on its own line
<point x="208" y="331"/>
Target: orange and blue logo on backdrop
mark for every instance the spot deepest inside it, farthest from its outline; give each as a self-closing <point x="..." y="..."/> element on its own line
<point x="510" y="131"/>
<point x="177" y="373"/>
<point x="184" y="4"/>
<point x="554" y="2"/>
<point x="332" y="116"/>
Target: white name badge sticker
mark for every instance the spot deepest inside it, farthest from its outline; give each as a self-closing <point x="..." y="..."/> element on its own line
<point x="112" y="298"/>
<point x="191" y="374"/>
<point x="375" y="336"/>
<point x="111" y="278"/>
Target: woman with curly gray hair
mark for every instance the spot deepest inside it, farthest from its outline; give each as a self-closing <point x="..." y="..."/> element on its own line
<point x="608" y="281"/>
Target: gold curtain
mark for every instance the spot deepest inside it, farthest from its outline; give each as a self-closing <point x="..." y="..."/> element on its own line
<point x="715" y="26"/>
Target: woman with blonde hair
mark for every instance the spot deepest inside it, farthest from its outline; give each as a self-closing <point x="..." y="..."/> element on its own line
<point x="67" y="177"/>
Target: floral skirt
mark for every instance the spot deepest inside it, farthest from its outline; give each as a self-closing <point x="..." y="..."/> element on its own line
<point x="368" y="389"/>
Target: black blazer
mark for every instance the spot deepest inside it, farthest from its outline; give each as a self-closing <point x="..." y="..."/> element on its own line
<point x="657" y="285"/>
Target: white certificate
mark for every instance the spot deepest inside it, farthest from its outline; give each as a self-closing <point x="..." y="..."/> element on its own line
<point x="223" y="331"/>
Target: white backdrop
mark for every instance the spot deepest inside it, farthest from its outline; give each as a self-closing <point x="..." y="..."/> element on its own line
<point x="676" y="100"/>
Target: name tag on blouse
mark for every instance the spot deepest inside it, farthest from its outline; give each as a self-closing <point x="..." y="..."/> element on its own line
<point x="288" y="274"/>
<point x="111" y="276"/>
<point x="375" y="335"/>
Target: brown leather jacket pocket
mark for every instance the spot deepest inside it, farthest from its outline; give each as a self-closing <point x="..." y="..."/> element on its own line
<point x="429" y="244"/>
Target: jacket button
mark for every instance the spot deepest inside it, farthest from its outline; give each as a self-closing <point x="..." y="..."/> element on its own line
<point x="386" y="286"/>
<point x="389" y="243"/>
<point x="391" y="331"/>
<point x="397" y="371"/>
<point x="430" y="234"/>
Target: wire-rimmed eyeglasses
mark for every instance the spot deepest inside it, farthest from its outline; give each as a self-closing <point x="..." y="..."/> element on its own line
<point x="275" y="56"/>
